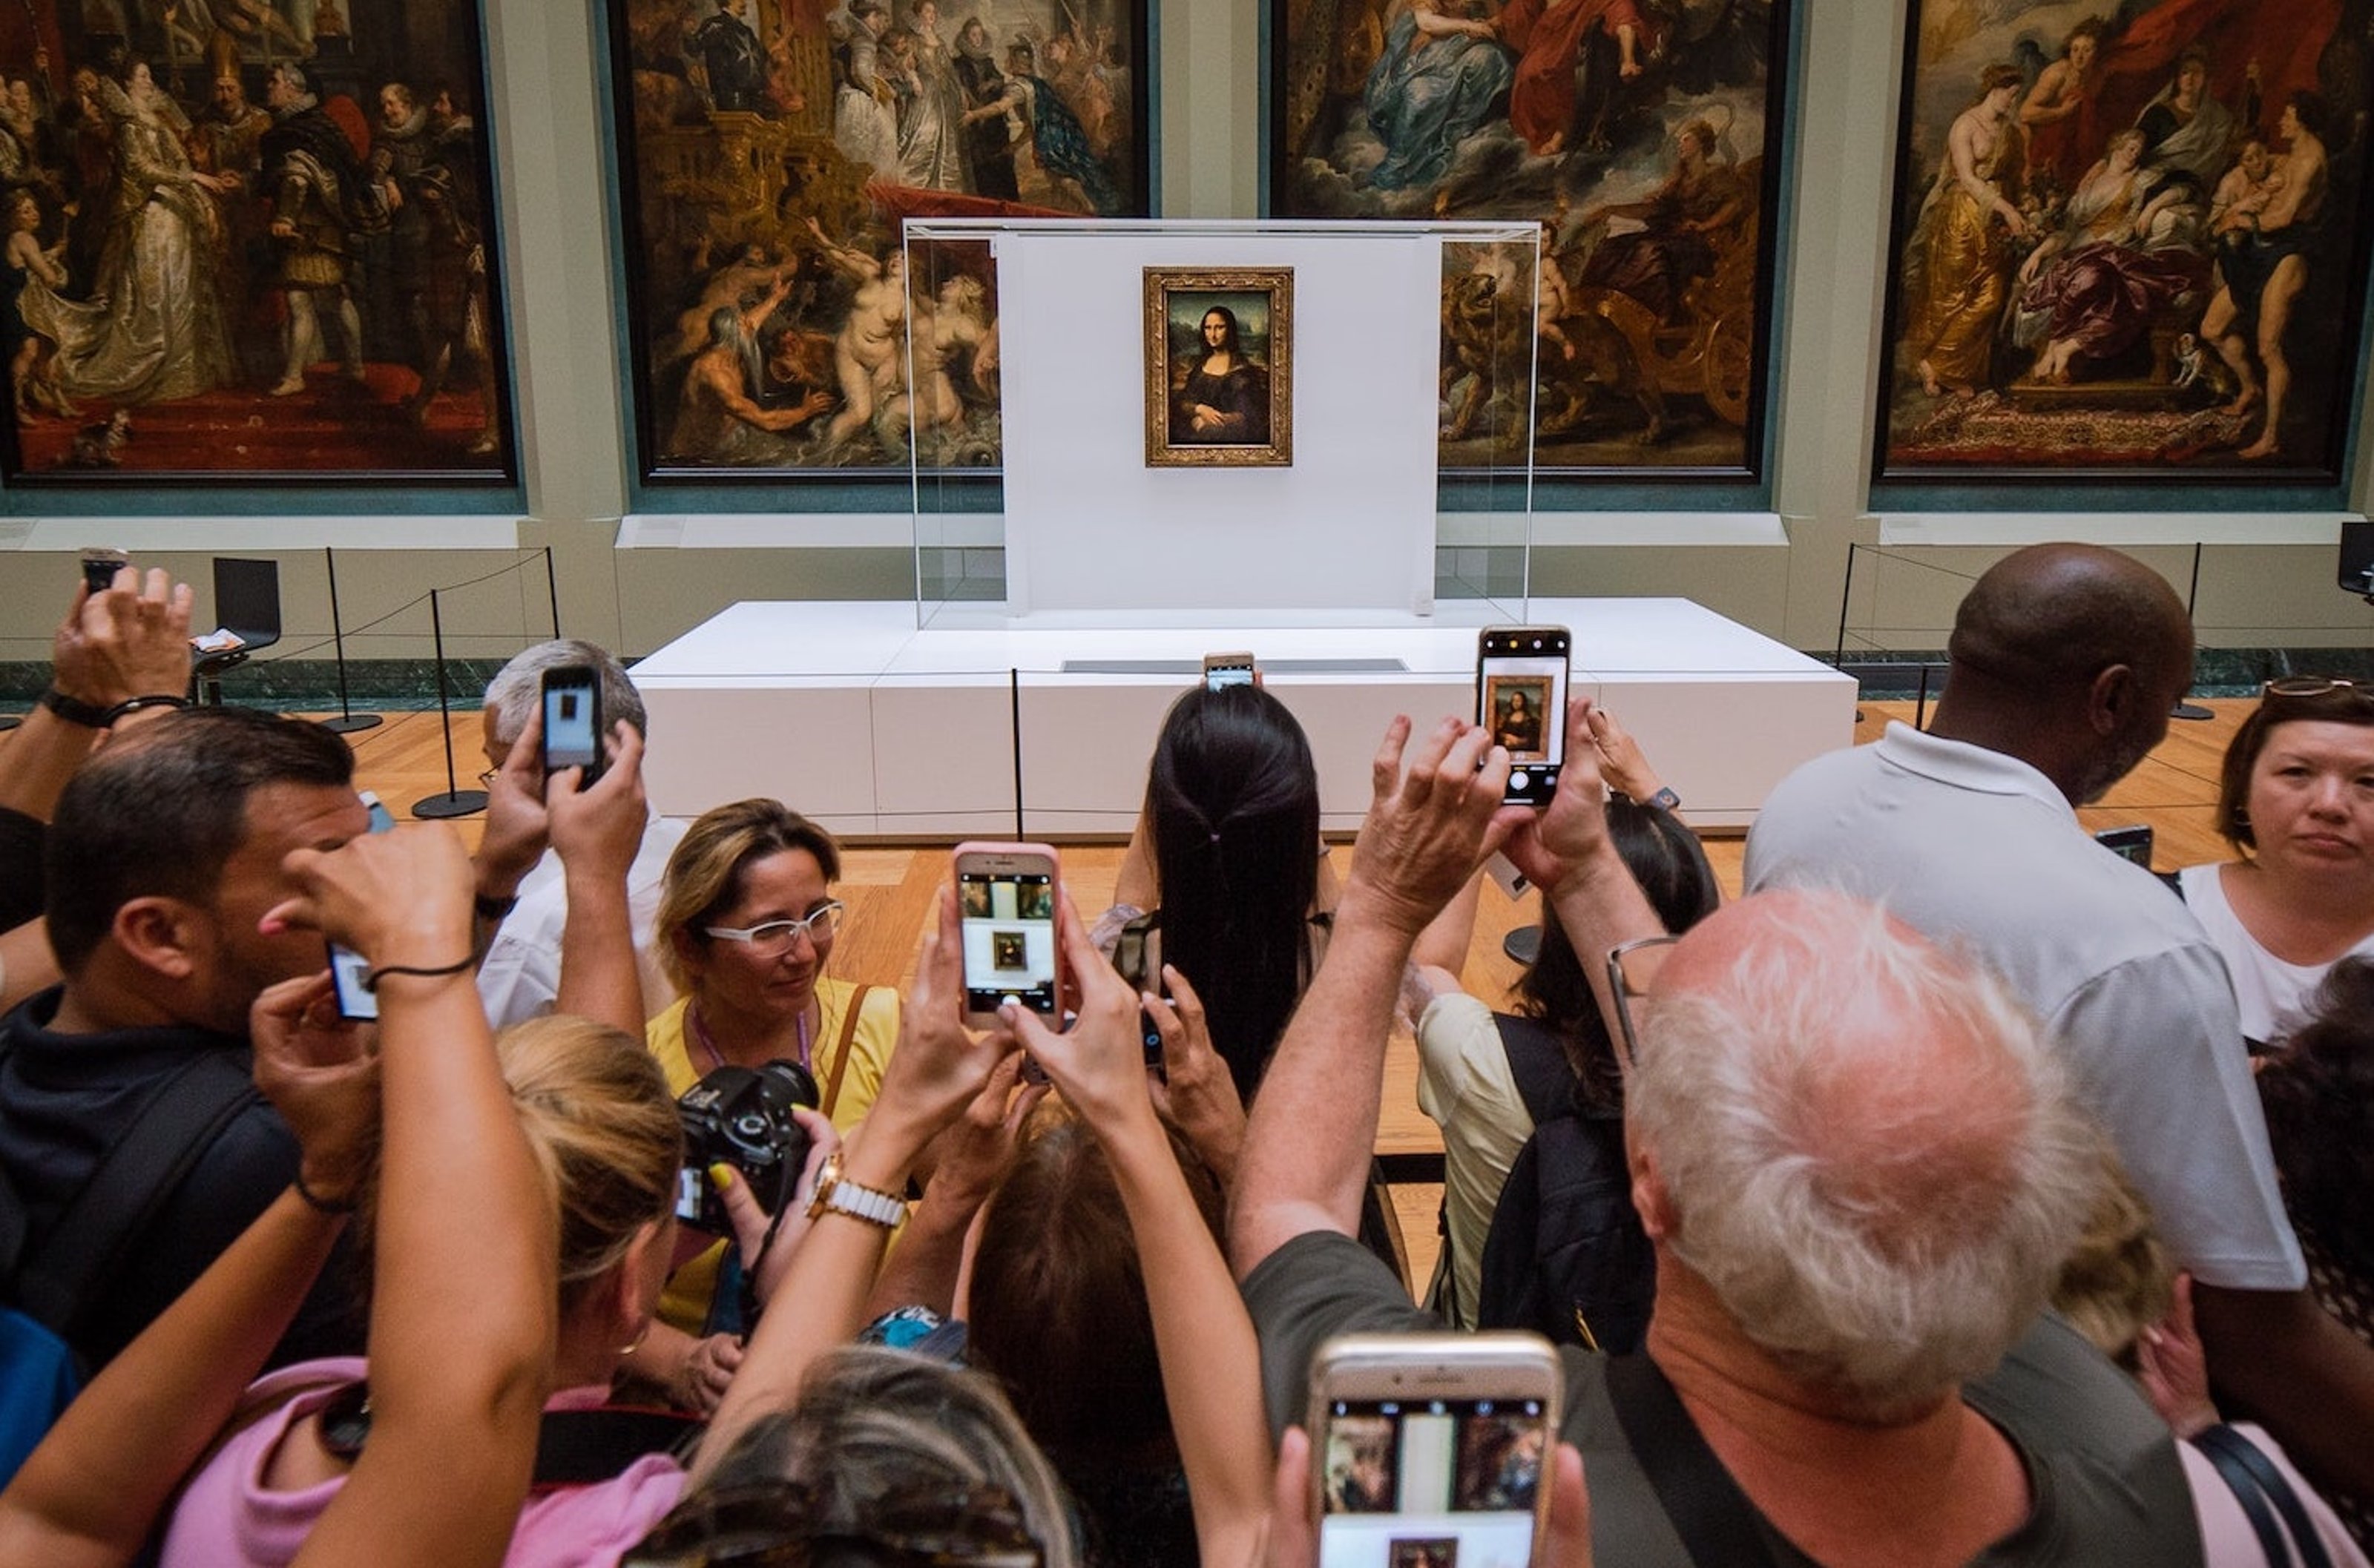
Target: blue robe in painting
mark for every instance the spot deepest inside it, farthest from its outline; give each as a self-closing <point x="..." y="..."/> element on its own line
<point x="1063" y="147"/>
<point x="1425" y="96"/>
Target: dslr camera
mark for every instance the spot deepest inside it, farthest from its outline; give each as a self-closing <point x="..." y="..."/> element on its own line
<point x="742" y="1116"/>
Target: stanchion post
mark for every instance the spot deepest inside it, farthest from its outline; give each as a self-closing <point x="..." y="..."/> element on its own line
<point x="348" y="721"/>
<point x="455" y="800"/>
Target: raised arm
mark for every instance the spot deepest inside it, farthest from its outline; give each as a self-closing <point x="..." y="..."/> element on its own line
<point x="92" y="1492"/>
<point x="131" y="641"/>
<point x="597" y="832"/>
<point x="1314" y="1125"/>
<point x="1211" y="1363"/>
<point x="464" y="1295"/>
<point x="936" y="1071"/>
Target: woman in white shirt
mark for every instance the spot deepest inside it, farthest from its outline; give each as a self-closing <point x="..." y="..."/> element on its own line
<point x="2296" y="799"/>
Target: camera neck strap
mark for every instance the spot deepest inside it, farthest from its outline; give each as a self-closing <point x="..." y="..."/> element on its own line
<point x="1716" y="1522"/>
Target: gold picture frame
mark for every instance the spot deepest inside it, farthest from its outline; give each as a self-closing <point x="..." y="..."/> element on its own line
<point x="1246" y="418"/>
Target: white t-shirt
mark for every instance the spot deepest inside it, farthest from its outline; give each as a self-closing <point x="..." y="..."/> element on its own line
<point x="520" y="978"/>
<point x="1979" y="851"/>
<point x="2275" y="997"/>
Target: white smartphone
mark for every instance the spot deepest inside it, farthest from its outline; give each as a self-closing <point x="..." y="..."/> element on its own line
<point x="348" y="968"/>
<point x="1521" y="676"/>
<point x="1227" y="669"/>
<point x="1006" y="898"/>
<point x="1433" y="1448"/>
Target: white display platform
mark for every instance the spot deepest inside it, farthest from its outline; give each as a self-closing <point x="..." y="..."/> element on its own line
<point x="848" y="713"/>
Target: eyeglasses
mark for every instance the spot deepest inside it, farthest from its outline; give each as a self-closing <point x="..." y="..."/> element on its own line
<point x="776" y="1525"/>
<point x="2314" y="685"/>
<point x="1631" y="970"/>
<point x="775" y="937"/>
<point x="489" y="775"/>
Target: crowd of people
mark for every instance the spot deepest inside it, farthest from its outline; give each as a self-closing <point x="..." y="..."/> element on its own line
<point x="1922" y="1206"/>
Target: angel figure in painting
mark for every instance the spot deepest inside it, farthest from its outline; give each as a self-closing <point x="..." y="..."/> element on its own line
<point x="1218" y="397"/>
<point x="1964" y="265"/>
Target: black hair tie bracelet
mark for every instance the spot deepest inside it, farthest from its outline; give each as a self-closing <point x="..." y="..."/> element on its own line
<point x="372" y="980"/>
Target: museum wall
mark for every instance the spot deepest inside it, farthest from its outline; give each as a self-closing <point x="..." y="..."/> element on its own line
<point x="546" y="112"/>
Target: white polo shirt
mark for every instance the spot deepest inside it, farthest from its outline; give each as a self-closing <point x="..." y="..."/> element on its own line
<point x="1980" y="851"/>
<point x="520" y="977"/>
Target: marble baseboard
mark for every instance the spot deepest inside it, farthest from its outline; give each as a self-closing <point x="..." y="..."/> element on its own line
<point x="2216" y="671"/>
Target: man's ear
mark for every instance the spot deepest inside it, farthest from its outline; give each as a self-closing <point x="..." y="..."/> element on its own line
<point x="2112" y="696"/>
<point x="1650" y="1199"/>
<point x="163" y="935"/>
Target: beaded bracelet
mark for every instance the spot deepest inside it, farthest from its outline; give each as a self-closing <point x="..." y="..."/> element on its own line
<point x="372" y="980"/>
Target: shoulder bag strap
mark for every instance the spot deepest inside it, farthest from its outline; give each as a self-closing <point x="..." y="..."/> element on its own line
<point x="847" y="1038"/>
<point x="153" y="1153"/>
<point x="1714" y="1518"/>
<point x="2250" y="1473"/>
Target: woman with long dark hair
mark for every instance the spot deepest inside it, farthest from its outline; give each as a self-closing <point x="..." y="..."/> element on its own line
<point x="1233" y="894"/>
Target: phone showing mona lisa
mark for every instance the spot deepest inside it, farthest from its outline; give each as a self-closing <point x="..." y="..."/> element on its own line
<point x="1520" y="675"/>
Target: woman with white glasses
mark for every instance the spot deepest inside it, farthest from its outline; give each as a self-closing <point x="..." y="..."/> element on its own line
<point x="745" y="928"/>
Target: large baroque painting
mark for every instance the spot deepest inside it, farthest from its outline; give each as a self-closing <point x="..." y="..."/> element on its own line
<point x="250" y="242"/>
<point x="770" y="151"/>
<point x="1640" y="133"/>
<point x="2129" y="241"/>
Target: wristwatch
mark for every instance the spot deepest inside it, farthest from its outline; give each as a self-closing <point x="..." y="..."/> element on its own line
<point x="834" y="1196"/>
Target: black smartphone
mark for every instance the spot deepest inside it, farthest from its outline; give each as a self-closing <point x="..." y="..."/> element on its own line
<point x="100" y="564"/>
<point x="1520" y="675"/>
<point x="573" y="721"/>
<point x="348" y="967"/>
<point x="2129" y="843"/>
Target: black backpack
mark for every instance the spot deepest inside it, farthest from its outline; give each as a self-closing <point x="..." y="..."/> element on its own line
<point x="1566" y="1255"/>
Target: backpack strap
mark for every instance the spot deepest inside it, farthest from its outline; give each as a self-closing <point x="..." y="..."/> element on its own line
<point x="153" y="1153"/>
<point x="1538" y="1066"/>
<point x="2255" y="1483"/>
<point x="1713" y="1517"/>
<point x="840" y="1050"/>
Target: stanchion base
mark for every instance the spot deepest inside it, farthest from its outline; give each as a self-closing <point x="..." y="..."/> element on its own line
<point x="347" y="723"/>
<point x="2190" y="710"/>
<point x="1523" y="945"/>
<point x="452" y="803"/>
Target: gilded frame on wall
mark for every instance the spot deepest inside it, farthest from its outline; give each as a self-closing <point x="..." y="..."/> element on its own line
<point x="2129" y="242"/>
<point x="1644" y="135"/>
<point x="1219" y="367"/>
<point x="251" y="244"/>
<point x="769" y="154"/>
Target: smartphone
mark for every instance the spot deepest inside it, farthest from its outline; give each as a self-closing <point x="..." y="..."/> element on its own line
<point x="1006" y="898"/>
<point x="1433" y="1447"/>
<point x="1520" y="675"/>
<point x="348" y="968"/>
<point x="573" y="721"/>
<point x="1227" y="669"/>
<point x="100" y="564"/>
<point x="2132" y="843"/>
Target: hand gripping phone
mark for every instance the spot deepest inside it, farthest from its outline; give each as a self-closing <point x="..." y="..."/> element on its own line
<point x="1520" y="678"/>
<point x="1433" y="1450"/>
<point x="573" y="721"/>
<point x="1006" y="901"/>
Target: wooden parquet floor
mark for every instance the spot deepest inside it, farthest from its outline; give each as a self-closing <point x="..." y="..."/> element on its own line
<point x="888" y="888"/>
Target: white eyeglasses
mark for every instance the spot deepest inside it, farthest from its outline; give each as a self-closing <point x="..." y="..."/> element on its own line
<point x="776" y="937"/>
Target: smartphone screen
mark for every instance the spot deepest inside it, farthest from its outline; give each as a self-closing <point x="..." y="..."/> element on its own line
<point x="1009" y="938"/>
<point x="2128" y="843"/>
<point x="100" y="564"/>
<point x="1227" y="669"/>
<point x="1430" y="1484"/>
<point x="1520" y="678"/>
<point x="573" y="721"/>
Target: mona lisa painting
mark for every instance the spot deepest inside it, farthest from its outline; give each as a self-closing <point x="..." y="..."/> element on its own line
<point x="1219" y="367"/>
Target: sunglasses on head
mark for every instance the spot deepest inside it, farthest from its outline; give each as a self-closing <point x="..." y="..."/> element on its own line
<point x="779" y="1525"/>
<point x="2303" y="686"/>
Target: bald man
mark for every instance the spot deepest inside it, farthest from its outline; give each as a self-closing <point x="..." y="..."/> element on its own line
<point x="1858" y="1170"/>
<point x="2065" y="661"/>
